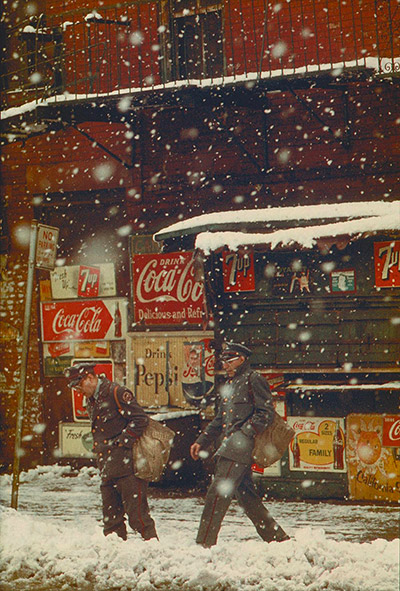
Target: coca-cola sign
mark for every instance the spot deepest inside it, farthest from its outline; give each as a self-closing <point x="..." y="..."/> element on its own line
<point x="391" y="431"/>
<point x="165" y="290"/>
<point x="89" y="320"/>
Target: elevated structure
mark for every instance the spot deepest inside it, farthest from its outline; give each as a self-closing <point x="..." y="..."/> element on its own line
<point x="99" y="63"/>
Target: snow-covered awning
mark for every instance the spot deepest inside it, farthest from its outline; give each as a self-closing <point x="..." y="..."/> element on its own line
<point x="342" y="387"/>
<point x="303" y="225"/>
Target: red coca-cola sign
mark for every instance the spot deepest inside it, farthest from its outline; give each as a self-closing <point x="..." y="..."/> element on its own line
<point x="165" y="290"/>
<point x="88" y="320"/>
<point x="391" y="431"/>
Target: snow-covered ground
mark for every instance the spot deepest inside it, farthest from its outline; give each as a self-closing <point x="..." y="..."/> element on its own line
<point x="55" y="542"/>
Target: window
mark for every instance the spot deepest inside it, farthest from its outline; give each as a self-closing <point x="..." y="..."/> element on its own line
<point x="43" y="55"/>
<point x="196" y="39"/>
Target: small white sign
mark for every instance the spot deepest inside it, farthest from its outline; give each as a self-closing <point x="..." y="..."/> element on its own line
<point x="65" y="281"/>
<point x="46" y="246"/>
<point x="76" y="440"/>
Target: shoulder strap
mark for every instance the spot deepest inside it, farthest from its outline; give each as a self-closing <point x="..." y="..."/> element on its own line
<point x="116" y="399"/>
<point x="117" y="402"/>
<point x="251" y="393"/>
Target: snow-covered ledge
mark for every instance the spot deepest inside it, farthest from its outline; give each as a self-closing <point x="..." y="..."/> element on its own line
<point x="303" y="224"/>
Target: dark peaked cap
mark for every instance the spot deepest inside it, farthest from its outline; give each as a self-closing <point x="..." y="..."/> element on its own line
<point x="232" y="349"/>
<point x="76" y="373"/>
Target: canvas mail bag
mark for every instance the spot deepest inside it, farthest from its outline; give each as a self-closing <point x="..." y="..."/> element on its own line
<point x="271" y="444"/>
<point x="151" y="451"/>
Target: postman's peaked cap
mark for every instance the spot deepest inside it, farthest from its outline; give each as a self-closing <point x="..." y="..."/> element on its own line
<point x="231" y="349"/>
<point x="76" y="372"/>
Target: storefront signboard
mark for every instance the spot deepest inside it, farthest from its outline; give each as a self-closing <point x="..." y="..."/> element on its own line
<point x="198" y="370"/>
<point x="318" y="445"/>
<point x="272" y="471"/>
<point x="75" y="441"/>
<point x="175" y="369"/>
<point x="165" y="290"/>
<point x="81" y="320"/>
<point x="387" y="263"/>
<point x="143" y="244"/>
<point x="45" y="290"/>
<point x="373" y="465"/>
<point x="83" y="281"/>
<point x="55" y="366"/>
<point x="238" y="271"/>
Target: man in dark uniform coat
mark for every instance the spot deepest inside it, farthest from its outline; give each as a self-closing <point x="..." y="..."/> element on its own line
<point x="245" y="409"/>
<point x="117" y="422"/>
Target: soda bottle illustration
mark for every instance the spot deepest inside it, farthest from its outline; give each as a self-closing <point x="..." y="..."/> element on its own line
<point x="296" y="453"/>
<point x="117" y="322"/>
<point x="338" y="448"/>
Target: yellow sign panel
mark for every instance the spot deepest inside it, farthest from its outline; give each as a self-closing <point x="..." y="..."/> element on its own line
<point x="318" y="444"/>
<point x="175" y="370"/>
<point x="92" y="349"/>
<point x="373" y="469"/>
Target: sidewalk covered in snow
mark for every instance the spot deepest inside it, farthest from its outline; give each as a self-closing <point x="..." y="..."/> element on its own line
<point x="55" y="542"/>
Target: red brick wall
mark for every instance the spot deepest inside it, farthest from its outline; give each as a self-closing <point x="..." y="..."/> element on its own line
<point x="302" y="33"/>
<point x="277" y="37"/>
<point x="70" y="161"/>
<point x="314" y="150"/>
<point x="101" y="57"/>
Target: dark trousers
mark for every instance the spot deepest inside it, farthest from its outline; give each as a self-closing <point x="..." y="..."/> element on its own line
<point x="126" y="495"/>
<point x="231" y="480"/>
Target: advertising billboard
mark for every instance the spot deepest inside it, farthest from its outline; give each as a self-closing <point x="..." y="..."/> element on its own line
<point x="373" y="457"/>
<point x="173" y="369"/>
<point x="83" y="320"/>
<point x="165" y="291"/>
<point x="318" y="445"/>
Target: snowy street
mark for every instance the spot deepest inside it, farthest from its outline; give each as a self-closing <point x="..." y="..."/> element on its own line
<point x="55" y="542"/>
